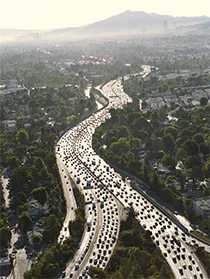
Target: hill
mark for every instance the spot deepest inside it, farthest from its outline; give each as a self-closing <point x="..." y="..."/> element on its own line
<point x="128" y="23"/>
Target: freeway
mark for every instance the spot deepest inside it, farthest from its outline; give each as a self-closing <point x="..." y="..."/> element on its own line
<point x="107" y="192"/>
<point x="105" y="222"/>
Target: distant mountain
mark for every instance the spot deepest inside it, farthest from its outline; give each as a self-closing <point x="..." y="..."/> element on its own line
<point x="131" y="21"/>
<point x="203" y="28"/>
<point x="128" y="23"/>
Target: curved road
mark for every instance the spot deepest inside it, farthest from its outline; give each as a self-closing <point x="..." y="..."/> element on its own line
<point x="105" y="193"/>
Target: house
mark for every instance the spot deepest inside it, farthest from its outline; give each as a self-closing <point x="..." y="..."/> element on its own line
<point x="27" y="125"/>
<point x="10" y="124"/>
<point x="161" y="169"/>
<point x="155" y="103"/>
<point x="180" y="166"/>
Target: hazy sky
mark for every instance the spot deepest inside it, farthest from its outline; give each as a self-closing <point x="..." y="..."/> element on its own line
<point x="49" y="14"/>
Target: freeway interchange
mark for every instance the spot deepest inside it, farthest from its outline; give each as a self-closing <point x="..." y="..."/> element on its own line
<point x="106" y="193"/>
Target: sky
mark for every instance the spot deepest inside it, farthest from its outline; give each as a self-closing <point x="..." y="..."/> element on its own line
<point x="51" y="14"/>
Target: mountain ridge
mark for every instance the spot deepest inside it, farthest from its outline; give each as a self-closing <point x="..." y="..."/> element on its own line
<point x="127" y="23"/>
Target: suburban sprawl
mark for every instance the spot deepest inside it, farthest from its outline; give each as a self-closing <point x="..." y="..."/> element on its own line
<point x="105" y="157"/>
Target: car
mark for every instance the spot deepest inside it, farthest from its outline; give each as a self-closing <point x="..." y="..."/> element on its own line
<point x="181" y="272"/>
<point x="88" y="227"/>
<point x="174" y="260"/>
<point x="76" y="267"/>
<point x="183" y="256"/>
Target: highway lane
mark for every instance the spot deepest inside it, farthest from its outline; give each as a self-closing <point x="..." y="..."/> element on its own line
<point x="83" y="260"/>
<point x="97" y="229"/>
<point x="71" y="204"/>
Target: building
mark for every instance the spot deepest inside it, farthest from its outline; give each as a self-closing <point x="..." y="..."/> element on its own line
<point x="10" y="124"/>
<point x="10" y="86"/>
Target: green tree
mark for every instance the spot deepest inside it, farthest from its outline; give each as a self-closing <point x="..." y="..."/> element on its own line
<point x="22" y="137"/>
<point x="169" y="143"/>
<point x="40" y="195"/>
<point x="203" y="101"/>
<point x="206" y="169"/>
<point x="198" y="138"/>
<point x="25" y="222"/>
<point x="51" y="229"/>
<point x="97" y="273"/>
<point x="5" y="236"/>
<point x="191" y="147"/>
<point x="167" y="160"/>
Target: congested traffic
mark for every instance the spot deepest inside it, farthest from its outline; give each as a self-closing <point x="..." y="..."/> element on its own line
<point x="106" y="193"/>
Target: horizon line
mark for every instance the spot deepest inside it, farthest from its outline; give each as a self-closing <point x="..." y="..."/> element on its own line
<point x="83" y="25"/>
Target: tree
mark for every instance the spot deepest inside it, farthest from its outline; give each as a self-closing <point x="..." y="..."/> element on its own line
<point x="170" y="180"/>
<point x="135" y="143"/>
<point x="51" y="229"/>
<point x="192" y="161"/>
<point x="13" y="162"/>
<point x="180" y="154"/>
<point x="170" y="131"/>
<point x="50" y="269"/>
<point x="120" y="147"/>
<point x="191" y="147"/>
<point x="25" y="222"/>
<point x="156" y="182"/>
<point x="146" y="172"/>
<point x="206" y="169"/>
<point x="5" y="236"/>
<point x="143" y="257"/>
<point x="22" y="136"/>
<point x="167" y="160"/>
<point x="204" y="148"/>
<point x="38" y="163"/>
<point x="198" y="138"/>
<point x="97" y="273"/>
<point x="40" y="195"/>
<point x="37" y="239"/>
<point x="140" y="123"/>
<point x="123" y="132"/>
<point x="203" y="101"/>
<point x="168" y="141"/>
<point x="165" y="272"/>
